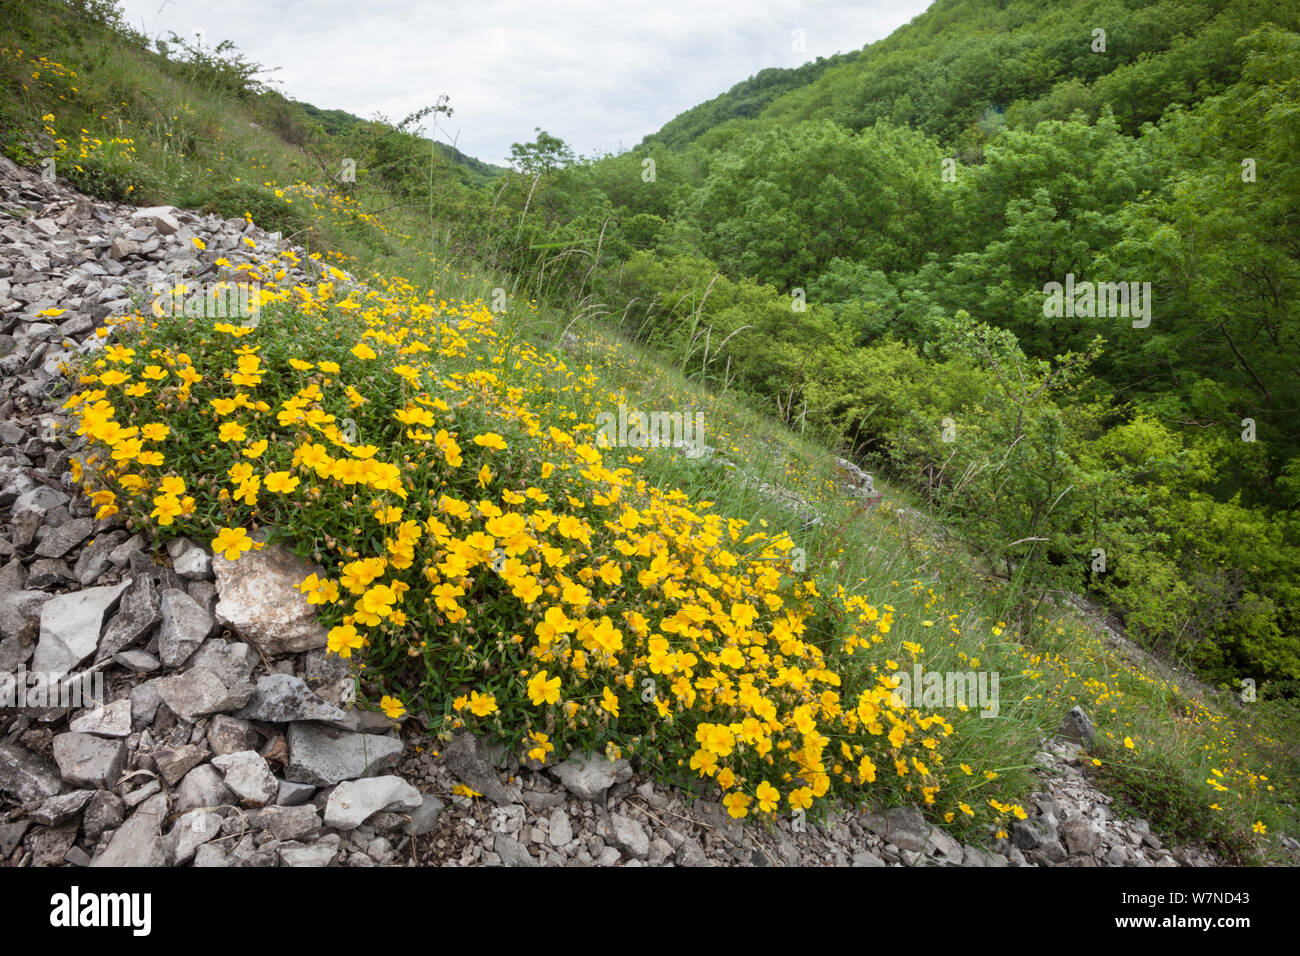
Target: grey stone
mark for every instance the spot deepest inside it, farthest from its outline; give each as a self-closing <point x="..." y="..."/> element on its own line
<point x="139" y="841"/>
<point x="1037" y="839"/>
<point x="232" y="662"/>
<point x="282" y="698"/>
<point x="185" y="626"/>
<point x="88" y="761"/>
<point x="162" y="218"/>
<point x="1080" y="836"/>
<point x="93" y="560"/>
<point x="630" y="835"/>
<point x="46" y="573"/>
<point x="323" y="756"/>
<point x="49" y="846"/>
<point x="248" y="776"/>
<point x="543" y="801"/>
<point x="228" y="735"/>
<point x="113" y="720"/>
<point x="1077" y="727"/>
<point x="11" y="834"/>
<point x="904" y="827"/>
<point x="204" y="594"/>
<point x="260" y="600"/>
<point x="142" y="662"/>
<point x="691" y="853"/>
<point x="192" y="830"/>
<point x="175" y="762"/>
<point x="138" y="613"/>
<point x="424" y="818"/>
<point x="945" y="846"/>
<point x="288" y="823"/>
<point x="20" y="615"/>
<point x="189" y="560"/>
<point x="13" y="577"/>
<point x="62" y="808"/>
<point x="587" y="776"/>
<point x="120" y="555"/>
<point x="467" y="759"/>
<point x="14" y="653"/>
<point x="317" y="854"/>
<point x="561" y="831"/>
<point x="293" y="794"/>
<point x="65" y="537"/>
<point x="512" y="852"/>
<point x="105" y="811"/>
<point x="145" y="702"/>
<point x="199" y="692"/>
<point x="355" y="801"/>
<point x="211" y="855"/>
<point x="141" y="794"/>
<point x="41" y="500"/>
<point x="202" y="787"/>
<point x="70" y="626"/>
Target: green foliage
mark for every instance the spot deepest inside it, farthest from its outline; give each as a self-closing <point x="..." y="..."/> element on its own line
<point x="265" y="208"/>
<point x="111" y="175"/>
<point x="788" y="202"/>
<point x="221" y="69"/>
<point x="1156" y="787"/>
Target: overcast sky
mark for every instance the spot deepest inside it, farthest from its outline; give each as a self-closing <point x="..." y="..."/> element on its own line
<point x="599" y="74"/>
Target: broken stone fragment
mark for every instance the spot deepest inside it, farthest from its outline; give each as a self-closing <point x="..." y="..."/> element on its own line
<point x="258" y="597"/>
<point x="70" y="626"/>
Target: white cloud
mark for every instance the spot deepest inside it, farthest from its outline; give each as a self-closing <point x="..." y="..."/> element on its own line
<point x="597" y="74"/>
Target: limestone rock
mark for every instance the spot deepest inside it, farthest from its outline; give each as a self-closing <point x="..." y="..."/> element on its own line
<point x="258" y="597"/>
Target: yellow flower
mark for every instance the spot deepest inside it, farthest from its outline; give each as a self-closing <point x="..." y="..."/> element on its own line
<point x="362" y="351"/>
<point x="800" y="799"/>
<point x="231" y="431"/>
<point x="230" y="543"/>
<point x="609" y="702"/>
<point x="480" y="705"/>
<point x="737" y="805"/>
<point x="281" y="482"/>
<point x="344" y="639"/>
<point x="392" y="707"/>
<point x="490" y="440"/>
<point x="542" y="690"/>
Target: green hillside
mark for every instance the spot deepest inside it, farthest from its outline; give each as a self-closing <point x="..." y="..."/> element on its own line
<point x="964" y="68"/>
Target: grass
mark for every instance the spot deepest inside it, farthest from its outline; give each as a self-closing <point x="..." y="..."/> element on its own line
<point x="153" y="138"/>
